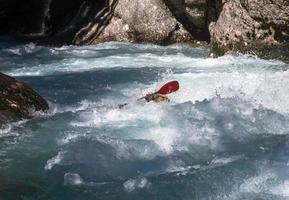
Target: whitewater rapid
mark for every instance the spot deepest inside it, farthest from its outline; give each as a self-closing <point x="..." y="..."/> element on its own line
<point x="222" y="136"/>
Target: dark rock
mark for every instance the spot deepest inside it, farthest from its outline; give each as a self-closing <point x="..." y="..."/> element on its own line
<point x="17" y="100"/>
<point x="194" y="3"/>
<point x="68" y="18"/>
<point x="23" y="17"/>
<point x="242" y="26"/>
<point x="197" y="16"/>
<point x="192" y="15"/>
<point x="93" y="21"/>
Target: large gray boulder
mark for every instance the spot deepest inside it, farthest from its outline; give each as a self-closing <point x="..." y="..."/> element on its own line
<point x="134" y="21"/>
<point x="254" y="26"/>
<point x="18" y="100"/>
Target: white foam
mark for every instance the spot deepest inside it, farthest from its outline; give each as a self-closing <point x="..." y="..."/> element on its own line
<point x="258" y="183"/>
<point x="260" y="88"/>
<point x="54" y="160"/>
<point x="119" y="117"/>
<point x="281" y="189"/>
<point x="82" y="106"/>
<point x="69" y="65"/>
<point x="267" y="181"/>
<point x="88" y="58"/>
<point x="22" y="50"/>
<point x="7" y="129"/>
<point x="200" y="79"/>
<point x="165" y="137"/>
<point x="73" y="179"/>
<point x="225" y="160"/>
<point x="162" y="135"/>
<point x="69" y="137"/>
<point x="139" y="183"/>
<point x="252" y="185"/>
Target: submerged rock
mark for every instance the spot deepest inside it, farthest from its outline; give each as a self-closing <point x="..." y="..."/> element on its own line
<point x="261" y="27"/>
<point x="18" y="100"/>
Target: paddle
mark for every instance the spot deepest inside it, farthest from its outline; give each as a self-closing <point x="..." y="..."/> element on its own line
<point x="167" y="88"/>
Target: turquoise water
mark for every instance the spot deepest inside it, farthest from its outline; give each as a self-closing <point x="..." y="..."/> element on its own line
<point x="224" y="135"/>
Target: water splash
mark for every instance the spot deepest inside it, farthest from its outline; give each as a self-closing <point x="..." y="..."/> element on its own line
<point x="223" y="135"/>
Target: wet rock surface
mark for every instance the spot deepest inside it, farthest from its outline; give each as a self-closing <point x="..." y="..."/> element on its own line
<point x="18" y="100"/>
<point x="193" y="15"/>
<point x="134" y="21"/>
<point x="248" y="26"/>
<point x="260" y="27"/>
<point x="92" y="21"/>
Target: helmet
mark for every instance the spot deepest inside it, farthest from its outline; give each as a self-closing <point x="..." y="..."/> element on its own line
<point x="160" y="98"/>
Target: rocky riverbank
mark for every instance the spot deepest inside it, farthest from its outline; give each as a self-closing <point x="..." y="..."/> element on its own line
<point x="260" y="27"/>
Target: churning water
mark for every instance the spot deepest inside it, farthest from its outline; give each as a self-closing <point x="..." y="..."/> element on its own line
<point x="224" y="135"/>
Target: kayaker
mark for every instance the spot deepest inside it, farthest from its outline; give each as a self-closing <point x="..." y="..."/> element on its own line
<point x="159" y="96"/>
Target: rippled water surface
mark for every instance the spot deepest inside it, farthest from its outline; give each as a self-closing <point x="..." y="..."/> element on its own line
<point x="224" y="135"/>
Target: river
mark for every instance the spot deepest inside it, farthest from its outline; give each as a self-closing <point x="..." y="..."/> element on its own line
<point x="223" y="135"/>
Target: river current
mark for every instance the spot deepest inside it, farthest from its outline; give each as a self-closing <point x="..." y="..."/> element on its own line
<point x="223" y="135"/>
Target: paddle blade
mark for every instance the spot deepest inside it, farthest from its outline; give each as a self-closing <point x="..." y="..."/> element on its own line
<point x="169" y="87"/>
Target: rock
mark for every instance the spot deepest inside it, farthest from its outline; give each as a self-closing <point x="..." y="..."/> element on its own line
<point x="242" y="26"/>
<point x="192" y="15"/>
<point x="134" y="21"/>
<point x="90" y="21"/>
<point x="193" y="3"/>
<point x="79" y="14"/>
<point x="258" y="26"/>
<point x="197" y="16"/>
<point x="23" y="17"/>
<point x="17" y="100"/>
